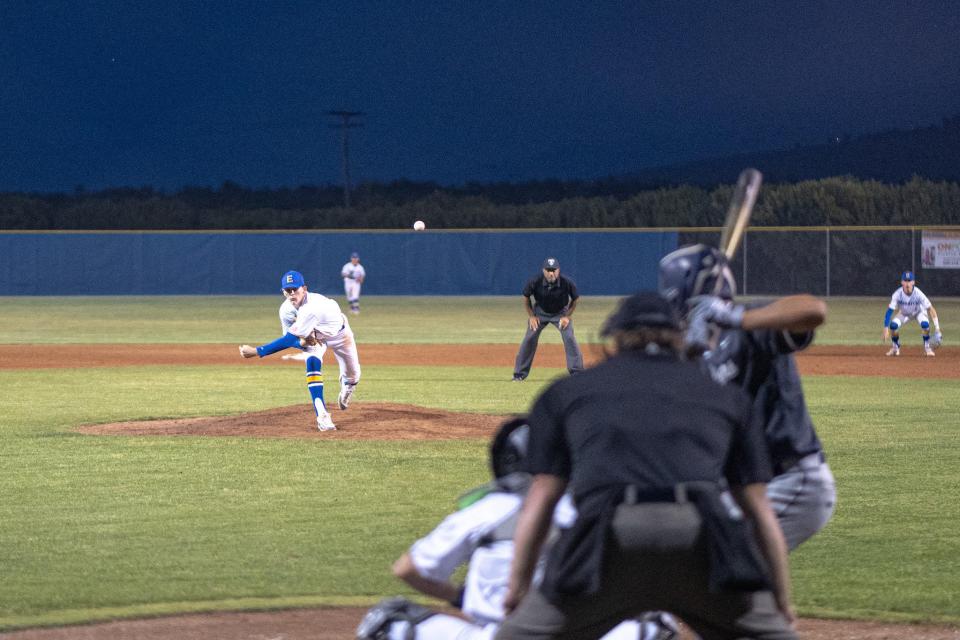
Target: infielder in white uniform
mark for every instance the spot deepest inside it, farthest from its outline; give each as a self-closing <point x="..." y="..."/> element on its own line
<point x="911" y="303"/>
<point x="313" y="322"/>
<point x="481" y="534"/>
<point x="353" y="276"/>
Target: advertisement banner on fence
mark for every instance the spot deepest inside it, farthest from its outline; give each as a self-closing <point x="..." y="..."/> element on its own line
<point x="941" y="250"/>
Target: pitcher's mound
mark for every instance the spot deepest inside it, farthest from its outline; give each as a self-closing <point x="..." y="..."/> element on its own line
<point x="364" y="421"/>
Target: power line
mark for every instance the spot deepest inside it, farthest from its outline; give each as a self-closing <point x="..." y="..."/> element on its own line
<point x="345" y="126"/>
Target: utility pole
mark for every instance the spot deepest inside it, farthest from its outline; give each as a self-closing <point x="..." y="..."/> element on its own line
<point x="345" y="126"/>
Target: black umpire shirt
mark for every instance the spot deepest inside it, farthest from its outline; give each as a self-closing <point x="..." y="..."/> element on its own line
<point x="761" y="363"/>
<point x="552" y="298"/>
<point x="651" y="421"/>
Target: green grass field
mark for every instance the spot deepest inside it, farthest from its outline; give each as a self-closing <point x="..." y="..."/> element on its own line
<point x="97" y="527"/>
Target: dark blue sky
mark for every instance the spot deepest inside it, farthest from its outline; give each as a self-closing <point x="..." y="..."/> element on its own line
<point x="127" y="93"/>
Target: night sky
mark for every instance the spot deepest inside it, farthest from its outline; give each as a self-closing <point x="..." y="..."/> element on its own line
<point x="103" y="93"/>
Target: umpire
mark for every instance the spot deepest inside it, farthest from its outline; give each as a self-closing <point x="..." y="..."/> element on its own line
<point x="646" y="443"/>
<point x="554" y="298"/>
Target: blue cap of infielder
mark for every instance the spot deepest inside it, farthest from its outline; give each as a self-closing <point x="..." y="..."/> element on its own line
<point x="291" y="280"/>
<point x="354" y="255"/>
<point x="907" y="276"/>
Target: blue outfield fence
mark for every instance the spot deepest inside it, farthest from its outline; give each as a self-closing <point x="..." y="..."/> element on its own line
<point x="397" y="263"/>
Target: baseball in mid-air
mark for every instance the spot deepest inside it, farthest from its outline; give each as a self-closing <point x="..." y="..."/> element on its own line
<point x="419" y="226"/>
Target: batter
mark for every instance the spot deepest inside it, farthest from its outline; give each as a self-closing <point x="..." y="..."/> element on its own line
<point x="755" y="352"/>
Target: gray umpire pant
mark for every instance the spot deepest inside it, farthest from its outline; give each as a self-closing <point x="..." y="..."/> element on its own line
<point x="528" y="347"/>
<point x="656" y="560"/>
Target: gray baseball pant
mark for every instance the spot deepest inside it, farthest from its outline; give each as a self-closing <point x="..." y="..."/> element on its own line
<point x="803" y="497"/>
<point x="528" y="347"/>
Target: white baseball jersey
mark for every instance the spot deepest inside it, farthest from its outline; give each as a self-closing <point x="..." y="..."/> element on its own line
<point x="321" y="317"/>
<point x="461" y="538"/>
<point x="288" y="315"/>
<point x="910" y="306"/>
<point x="354" y="272"/>
<point x="318" y="315"/>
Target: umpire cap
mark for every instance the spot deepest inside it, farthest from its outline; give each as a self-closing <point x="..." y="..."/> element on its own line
<point x="551" y="263"/>
<point x="643" y="309"/>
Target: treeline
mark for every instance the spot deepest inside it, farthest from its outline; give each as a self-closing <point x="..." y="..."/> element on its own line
<point x="892" y="156"/>
<point x="612" y="203"/>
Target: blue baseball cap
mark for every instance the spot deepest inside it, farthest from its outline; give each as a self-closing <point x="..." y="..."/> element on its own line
<point x="291" y="280"/>
<point x="354" y="255"/>
<point x="907" y="275"/>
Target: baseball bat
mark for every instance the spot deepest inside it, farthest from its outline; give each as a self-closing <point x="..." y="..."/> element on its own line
<point x="738" y="215"/>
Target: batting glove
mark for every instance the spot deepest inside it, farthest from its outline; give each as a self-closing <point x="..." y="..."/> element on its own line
<point x="697" y="336"/>
<point x="718" y="311"/>
<point x="937" y="339"/>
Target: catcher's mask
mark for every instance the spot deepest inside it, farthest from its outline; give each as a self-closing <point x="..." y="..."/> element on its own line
<point x="508" y="451"/>
<point x="695" y="270"/>
<point x="644" y="309"/>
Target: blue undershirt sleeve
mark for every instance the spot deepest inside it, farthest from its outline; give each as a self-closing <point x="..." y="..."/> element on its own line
<point x="286" y="341"/>
<point x="886" y="318"/>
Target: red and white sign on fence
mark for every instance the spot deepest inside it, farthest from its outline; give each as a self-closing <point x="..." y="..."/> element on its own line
<point x="940" y="250"/>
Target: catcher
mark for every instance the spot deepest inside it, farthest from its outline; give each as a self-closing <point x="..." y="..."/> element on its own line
<point x="480" y="534"/>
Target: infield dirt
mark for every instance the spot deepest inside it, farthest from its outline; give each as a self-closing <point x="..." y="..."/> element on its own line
<point x="817" y="360"/>
<point x="338" y="623"/>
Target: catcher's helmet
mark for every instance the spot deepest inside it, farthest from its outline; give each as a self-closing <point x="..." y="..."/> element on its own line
<point x="695" y="270"/>
<point x="508" y="451"/>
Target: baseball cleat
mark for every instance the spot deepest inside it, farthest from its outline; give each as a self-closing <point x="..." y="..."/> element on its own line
<point x="346" y="392"/>
<point x="518" y="378"/>
<point x="927" y="351"/>
<point x="893" y="351"/>
<point x="325" y="422"/>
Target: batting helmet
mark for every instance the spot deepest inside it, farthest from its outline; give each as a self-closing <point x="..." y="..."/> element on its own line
<point x="508" y="451"/>
<point x="695" y="270"/>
